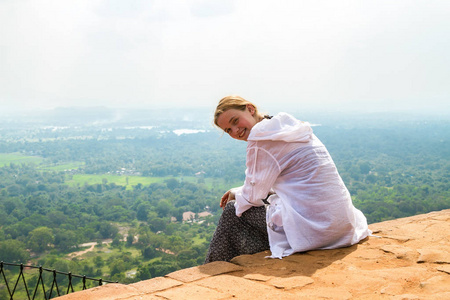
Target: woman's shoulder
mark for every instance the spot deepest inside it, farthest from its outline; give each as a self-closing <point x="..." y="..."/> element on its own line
<point x="285" y="116"/>
<point x="281" y="127"/>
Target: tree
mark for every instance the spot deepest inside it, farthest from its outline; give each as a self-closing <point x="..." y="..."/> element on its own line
<point x="158" y="268"/>
<point x="13" y="251"/>
<point x="108" y="230"/>
<point x="98" y="260"/>
<point x="157" y="224"/>
<point x="142" y="211"/>
<point x="130" y="237"/>
<point x="116" y="241"/>
<point x="172" y="183"/>
<point x="10" y="204"/>
<point x="163" y="208"/>
<point x="149" y="252"/>
<point x="364" y="167"/>
<point x="40" y="239"/>
<point x="178" y="213"/>
<point x="117" y="267"/>
<point x="65" y="239"/>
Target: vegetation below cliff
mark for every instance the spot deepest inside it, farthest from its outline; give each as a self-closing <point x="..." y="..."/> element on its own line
<point x="126" y="189"/>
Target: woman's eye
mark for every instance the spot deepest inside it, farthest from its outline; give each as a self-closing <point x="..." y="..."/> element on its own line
<point x="235" y="121"/>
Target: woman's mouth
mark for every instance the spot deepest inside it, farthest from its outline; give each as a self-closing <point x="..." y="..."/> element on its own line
<point x="242" y="133"/>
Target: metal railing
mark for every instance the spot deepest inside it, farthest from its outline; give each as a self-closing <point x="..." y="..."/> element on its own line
<point x="47" y="294"/>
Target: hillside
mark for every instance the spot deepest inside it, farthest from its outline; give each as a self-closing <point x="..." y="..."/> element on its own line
<point x="124" y="185"/>
<point x="407" y="258"/>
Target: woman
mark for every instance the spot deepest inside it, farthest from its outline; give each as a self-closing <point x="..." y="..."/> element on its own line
<point x="287" y="166"/>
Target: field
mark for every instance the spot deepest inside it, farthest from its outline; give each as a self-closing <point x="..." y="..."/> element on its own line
<point x="17" y="158"/>
<point x="130" y="181"/>
<point x="127" y="181"/>
<point x="62" y="167"/>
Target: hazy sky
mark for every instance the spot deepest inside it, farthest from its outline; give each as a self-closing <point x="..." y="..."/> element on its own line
<point x="380" y="54"/>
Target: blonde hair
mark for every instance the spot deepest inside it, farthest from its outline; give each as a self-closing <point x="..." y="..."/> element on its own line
<point x="232" y="102"/>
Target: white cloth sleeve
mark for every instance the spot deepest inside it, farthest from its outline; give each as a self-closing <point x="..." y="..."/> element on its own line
<point x="262" y="171"/>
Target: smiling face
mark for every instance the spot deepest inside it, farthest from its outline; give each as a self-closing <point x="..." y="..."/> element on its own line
<point x="238" y="123"/>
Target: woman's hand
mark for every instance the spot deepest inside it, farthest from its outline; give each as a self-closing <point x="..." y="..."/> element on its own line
<point x="228" y="196"/>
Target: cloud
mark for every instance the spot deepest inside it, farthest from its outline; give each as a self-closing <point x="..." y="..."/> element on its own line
<point x="205" y="8"/>
<point x="157" y="53"/>
<point x="123" y="9"/>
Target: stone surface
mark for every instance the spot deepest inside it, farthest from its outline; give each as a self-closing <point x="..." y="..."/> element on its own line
<point x="155" y="285"/>
<point x="211" y="269"/>
<point x="434" y="254"/>
<point x="191" y="291"/>
<point x="293" y="282"/>
<point x="444" y="268"/>
<point x="407" y="259"/>
<point x="257" y="277"/>
<point x="105" y="292"/>
<point x="237" y="287"/>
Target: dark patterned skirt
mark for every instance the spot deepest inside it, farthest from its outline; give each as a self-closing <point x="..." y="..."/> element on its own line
<point x="235" y="235"/>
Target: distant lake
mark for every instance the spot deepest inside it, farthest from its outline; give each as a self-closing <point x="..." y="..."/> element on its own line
<point x="187" y="131"/>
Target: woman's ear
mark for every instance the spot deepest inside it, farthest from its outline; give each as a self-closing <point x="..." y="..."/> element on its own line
<point x="251" y="109"/>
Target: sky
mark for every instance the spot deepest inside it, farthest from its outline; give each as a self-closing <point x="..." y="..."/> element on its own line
<point x="371" y="54"/>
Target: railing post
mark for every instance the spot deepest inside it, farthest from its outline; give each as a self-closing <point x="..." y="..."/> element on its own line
<point x="4" y="277"/>
<point x="54" y="284"/>
<point x="70" y="286"/>
<point x="24" y="283"/>
<point x="41" y="280"/>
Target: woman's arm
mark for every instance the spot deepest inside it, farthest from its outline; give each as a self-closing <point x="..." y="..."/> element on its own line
<point x="262" y="172"/>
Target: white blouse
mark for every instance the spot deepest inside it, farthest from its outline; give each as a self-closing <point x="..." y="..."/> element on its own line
<point x="311" y="207"/>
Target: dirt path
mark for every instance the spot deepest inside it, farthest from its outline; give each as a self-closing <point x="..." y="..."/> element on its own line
<point x="122" y="230"/>
<point x="79" y="253"/>
<point x="91" y="246"/>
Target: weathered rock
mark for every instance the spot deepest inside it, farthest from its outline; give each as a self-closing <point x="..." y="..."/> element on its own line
<point x="196" y="273"/>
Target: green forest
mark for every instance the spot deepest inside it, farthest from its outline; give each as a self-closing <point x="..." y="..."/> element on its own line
<point x="108" y="201"/>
